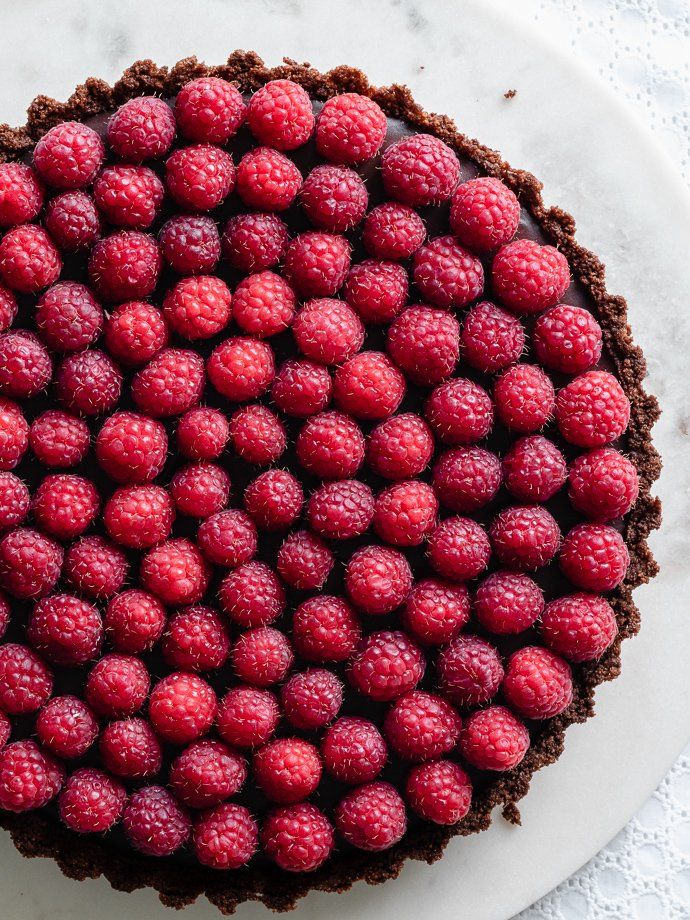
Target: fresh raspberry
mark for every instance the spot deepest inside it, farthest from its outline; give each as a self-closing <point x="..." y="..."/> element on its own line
<point x="65" y="630"/>
<point x="484" y="214"/>
<point x="182" y="707"/>
<point x="59" y="439"/>
<point x="128" y="196"/>
<point x="257" y="435"/>
<point x="386" y="666"/>
<point x="594" y="557"/>
<point x="21" y="194"/>
<point x="372" y="817"/>
<point x="377" y="291"/>
<point x="263" y="304"/>
<point x="262" y="656"/>
<point x="5" y="615"/>
<point x="88" y="383"/>
<point x="72" y="221"/>
<point x="30" y="563"/>
<point x="312" y="698"/>
<point x="524" y="398"/>
<point x="25" y="365"/>
<point x="131" y="447"/>
<point x="69" y="155"/>
<point x="592" y="410"/>
<point x="65" y="505"/>
<point x="135" y="332"/>
<point x="202" y="433"/>
<point x="421" y="726"/>
<point x="301" y="388"/>
<point x="171" y="383"/>
<point x="579" y="626"/>
<point x="252" y="595"/>
<point x="267" y="180"/>
<point x="469" y="670"/>
<point x="196" y="640"/>
<point x="14" y="501"/>
<point x="492" y="339"/>
<point x="206" y="773"/>
<point x="95" y="567"/>
<point x="341" y="510"/>
<point x="68" y="317"/>
<point x="8" y="308"/>
<point x="327" y="331"/>
<point x="14" y="434"/>
<point x="209" y="110"/>
<point x="447" y="275"/>
<point x="66" y="726"/>
<point x="29" y="777"/>
<point x="440" y="792"/>
<point x="405" y="513"/>
<point x="420" y="170"/>
<point x="141" y="129"/>
<point x="435" y="611"/>
<point x="125" y="266"/>
<point x="350" y="128"/>
<point x="603" y="484"/>
<point x="298" y="838"/>
<point x="198" y="307"/>
<point x="279" y="115"/>
<point x="525" y="537"/>
<point x="175" y="572"/>
<point x="425" y="344"/>
<point x="368" y="386"/>
<point x="528" y="277"/>
<point x="567" y="339"/>
<point x="538" y="684"/>
<point x="400" y="447"/>
<point x="29" y="261"/>
<point x="190" y="244"/>
<point x="254" y="242"/>
<point x="154" y="822"/>
<point x="377" y="579"/>
<point x="494" y="739"/>
<point x="287" y="770"/>
<point x="200" y="490"/>
<point x="5" y="730"/>
<point x="91" y="802"/>
<point x="247" y="716"/>
<point x="139" y="516"/>
<point x="353" y="750"/>
<point x="508" y="602"/>
<point x="130" y="748"/>
<point x="459" y="549"/>
<point x="228" y="538"/>
<point x="225" y="837"/>
<point x="466" y="478"/>
<point x="534" y="469"/>
<point x="241" y="368"/>
<point x="274" y="500"/>
<point x="393" y="231"/>
<point x="334" y="198"/>
<point x="26" y="681"/>
<point x="316" y="264"/>
<point x="304" y="561"/>
<point x="199" y="177"/>
<point x="134" y="621"/>
<point x="330" y="445"/>
<point x="117" y="686"/>
<point x="325" y="629"/>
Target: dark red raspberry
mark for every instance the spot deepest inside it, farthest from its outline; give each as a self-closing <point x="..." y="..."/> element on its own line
<point x="228" y="538"/>
<point x="91" y="802"/>
<point x="327" y="331"/>
<point x="25" y="365"/>
<point x="128" y="196"/>
<point x="209" y="110"/>
<point x="421" y="726"/>
<point x="14" y="434"/>
<point x="274" y="500"/>
<point x="592" y="410"/>
<point x="334" y="198"/>
<point x="447" y="275"/>
<point x="198" y="307"/>
<point x="372" y="817"/>
<point x="196" y="640"/>
<point x="484" y="214"/>
<point x="29" y="777"/>
<point x="425" y="344"/>
<point x="241" y="368"/>
<point x="353" y="750"/>
<point x="494" y="739"/>
<point x="263" y="304"/>
<point x="175" y="572"/>
<point x="492" y="339"/>
<point x="88" y="383"/>
<point x="253" y="242"/>
<point x="72" y="221"/>
<point x="206" y="773"/>
<point x="312" y="698"/>
<point x="466" y="478"/>
<point x="538" y="684"/>
<point x="304" y="561"/>
<point x="368" y="386"/>
<point x="262" y="656"/>
<point x="200" y="489"/>
<point x="436" y="611"/>
<point x="287" y="770"/>
<point x="134" y="621"/>
<point x="603" y="484"/>
<point x="130" y="748"/>
<point x="69" y="155"/>
<point x="65" y="630"/>
<point x="14" y="501"/>
<point x="459" y="549"/>
<point x="376" y="290"/>
<point x="199" y="177"/>
<point x="401" y="447"/>
<point x="508" y="602"/>
<point x="26" y="681"/>
<point x="525" y="537"/>
<point x="95" y="567"/>
<point x="594" y="557"/>
<point x="301" y="388"/>
<point x="393" y="231"/>
<point x="171" y="383"/>
<point x="125" y="266"/>
<point x="386" y="666"/>
<point x="190" y="244"/>
<point x="135" y="332"/>
<point x="68" y="317"/>
<point x="65" y="505"/>
<point x="247" y="716"/>
<point x="405" y="513"/>
<point x="298" y="838"/>
<point x="420" y="170"/>
<point x="316" y="264"/>
<point x="225" y="837"/>
<point x="279" y="115"/>
<point x="8" y="308"/>
<point x="325" y="629"/>
<point x="341" y="510"/>
<point x="131" y="447"/>
<point x="267" y="180"/>
<point x="567" y="339"/>
<point x="30" y="563"/>
<point x="182" y="707"/>
<point x="154" y="822"/>
<point x="5" y="730"/>
<point x="331" y="446"/>
<point x="117" y="686"/>
<point x="377" y="579"/>
<point x="350" y="128"/>
<point x="524" y="398"/>
<point x="139" y="516"/>
<point x="21" y="194"/>
<point x="66" y="726"/>
<point x="59" y="439"/>
<point x="257" y="435"/>
<point x="534" y="469"/>
<point x="440" y="792"/>
<point x="579" y="626"/>
<point x="469" y="671"/>
<point x="141" y="129"/>
<point x="29" y="261"/>
<point x="252" y="595"/>
<point x="202" y="433"/>
<point x="528" y="277"/>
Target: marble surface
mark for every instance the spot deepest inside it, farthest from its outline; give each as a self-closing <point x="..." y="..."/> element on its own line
<point x="597" y="162"/>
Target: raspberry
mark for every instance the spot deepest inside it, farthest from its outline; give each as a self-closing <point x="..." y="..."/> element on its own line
<point x="5" y="614"/>
<point x="125" y="266"/>
<point x="377" y="579"/>
<point x="447" y="275"/>
<point x="69" y="155"/>
<point x="88" y="383"/>
<point x="312" y="699"/>
<point x="26" y="681"/>
<point x="525" y="537"/>
<point x="494" y="739"/>
<point x="199" y="177"/>
<point x="341" y="510"/>
<point x="524" y="398"/>
<point x="25" y="365"/>
<point x="14" y="501"/>
<point x="253" y="242"/>
<point x="274" y="500"/>
<point x="129" y="748"/>
<point x="334" y="198"/>
<point x="198" y="307"/>
<point x="421" y="726"/>
<point x="316" y="264"/>
<point x="592" y="410"/>
<point x="440" y="792"/>
<point x="279" y="115"/>
<point x="331" y="446"/>
<point x="202" y="433"/>
<point x="128" y="196"/>
<point x="225" y="837"/>
<point x="29" y="261"/>
<point x="68" y="317"/>
<point x="538" y="684"/>
<point x="603" y="484"/>
<point x="252" y="595"/>
<point x="376" y="290"/>
<point x="350" y="128"/>
<point x="368" y="386"/>
<point x="353" y="750"/>
<point x="393" y="231"/>
<point x="30" y="563"/>
<point x="263" y="304"/>
<point x="528" y="277"/>
<point x="5" y="730"/>
<point x="247" y="716"/>
<point x="304" y="561"/>
<point x="567" y="339"/>
<point x="425" y="344"/>
<point x="508" y="602"/>
<point x="459" y="549"/>
<point x="196" y="640"/>
<point x="594" y="557"/>
<point x="131" y="448"/>
<point x="8" y="308"/>
<point x="492" y="339"/>
<point x="175" y="572"/>
<point x="206" y="773"/>
<point x="466" y="478"/>
<point x="199" y="490"/>
<point x="29" y="777"/>
<point x="420" y="170"/>
<point x="95" y="567"/>
<point x="66" y="726"/>
<point x="327" y="331"/>
<point x="117" y="686"/>
<point x="141" y="129"/>
<point x="325" y="629"/>
<point x="386" y="666"/>
<point x="139" y="516"/>
<point x="64" y="505"/>
<point x="579" y="626"/>
<point x="91" y="802"/>
<point x="182" y="707"/>
<point x="21" y="194"/>
<point x="436" y="611"/>
<point x="262" y="656"/>
<point x="228" y="538"/>
<point x="298" y="838"/>
<point x="400" y="447"/>
<point x="267" y="180"/>
<point x="154" y="822"/>
<point x="209" y="110"/>
<point x="371" y="817"/>
<point x="405" y="513"/>
<point x="190" y="244"/>
<point x="258" y="436"/>
<point x="59" y="439"/>
<point x="470" y="671"/>
<point x="171" y="383"/>
<point x="14" y="434"/>
<point x="135" y="332"/>
<point x="301" y="388"/>
<point x="484" y="214"/>
<point x="72" y="221"/>
<point x="241" y="368"/>
<point x="534" y="469"/>
<point x="134" y="621"/>
<point x="287" y="770"/>
<point x="65" y="630"/>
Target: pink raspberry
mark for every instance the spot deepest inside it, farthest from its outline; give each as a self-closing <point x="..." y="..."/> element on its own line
<point x="484" y="214"/>
<point x="579" y="626"/>
<point x="279" y="115"/>
<point x="128" y="196"/>
<point x="316" y="263"/>
<point x="263" y="304"/>
<point x="66" y="726"/>
<point x="72" y="221"/>
<point x="534" y="469"/>
<point x="459" y="549"/>
<point x="603" y="484"/>
<point x="69" y="155"/>
<point x="225" y="837"/>
<point x="287" y="770"/>
<point x="400" y="447"/>
<point x="594" y="557"/>
<point x="59" y="439"/>
<point x="304" y="561"/>
<point x="200" y="489"/>
<point x="435" y="611"/>
<point x="524" y="398"/>
<point x="14" y="501"/>
<point x="377" y="291"/>
<point x="334" y="198"/>
<point x="447" y="275"/>
<point x="312" y="698"/>
<point x="274" y="500"/>
<point x="131" y="447"/>
<point x="262" y="656"/>
<point x="386" y="666"/>
<point x="469" y="671"/>
<point x="171" y="383"/>
<point x="440" y="792"/>
<point x="139" y="516"/>
<point x="331" y="446"/>
<point x="377" y="579"/>
<point x="368" y="386"/>
<point x="253" y="242"/>
<point x="393" y="231"/>
<point x="25" y="365"/>
<point x="88" y="383"/>
<point x="528" y="277"/>
<point x="130" y="748"/>
<point x="241" y="368"/>
<point x="8" y="308"/>
<point x="202" y="433"/>
<point x="175" y="572"/>
<point x="196" y="640"/>
<point x="26" y="681"/>
<point x="421" y="726"/>
<point x="466" y="478"/>
<point x="29" y="777"/>
<point x="420" y="170"/>
<point x="492" y="339"/>
<point x="525" y="537"/>
<point x="117" y="686"/>
<point x="371" y="817"/>
<point x="154" y="822"/>
<point x="301" y="388"/>
<point x="209" y="110"/>
<point x="405" y="513"/>
<point x="298" y="838"/>
<point x="182" y="707"/>
<point x="68" y="317"/>
<point x="190" y="244"/>
<point x="29" y="261"/>
<point x="228" y="538"/>
<point x="350" y="128"/>
<point x="30" y="563"/>
<point x="494" y="739"/>
<point x="325" y="629"/>
<point x="199" y="177"/>
<point x="538" y="684"/>
<point x="91" y="802"/>
<point x="267" y="180"/>
<point x="341" y="510"/>
<point x="65" y="505"/>
<point x="206" y="773"/>
<point x="21" y="194"/>
<point x="198" y="307"/>
<point x="327" y="331"/>
<point x="134" y="621"/>
<point x="14" y="434"/>
<point x="247" y="717"/>
<point x="252" y="595"/>
<point x="125" y="266"/>
<point x="135" y="332"/>
<point x="508" y="602"/>
<point x="353" y="750"/>
<point x="65" y="630"/>
<point x="592" y="410"/>
<point x="425" y="344"/>
<point x="567" y="339"/>
<point x="257" y="435"/>
<point x="95" y="567"/>
<point x="141" y="129"/>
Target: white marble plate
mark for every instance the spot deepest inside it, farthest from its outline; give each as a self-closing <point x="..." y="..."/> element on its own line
<point x="631" y="208"/>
